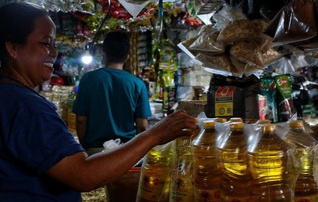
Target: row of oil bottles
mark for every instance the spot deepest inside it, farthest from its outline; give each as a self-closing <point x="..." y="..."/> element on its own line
<point x="233" y="161"/>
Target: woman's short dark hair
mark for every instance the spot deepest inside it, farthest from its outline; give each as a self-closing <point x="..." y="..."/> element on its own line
<point x="17" y="22"/>
<point x="116" y="46"/>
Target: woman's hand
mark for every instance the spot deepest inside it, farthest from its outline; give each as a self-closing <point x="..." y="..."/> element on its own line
<point x="173" y="126"/>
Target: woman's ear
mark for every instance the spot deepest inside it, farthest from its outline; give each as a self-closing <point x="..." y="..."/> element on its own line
<point x="11" y="49"/>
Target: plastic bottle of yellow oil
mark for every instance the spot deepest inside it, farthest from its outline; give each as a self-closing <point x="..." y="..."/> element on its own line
<point x="236" y="119"/>
<point x="181" y="186"/>
<point x="206" y="173"/>
<point x="236" y="177"/>
<point x="154" y="182"/>
<point x="220" y="120"/>
<point x="270" y="162"/>
<point x="306" y="188"/>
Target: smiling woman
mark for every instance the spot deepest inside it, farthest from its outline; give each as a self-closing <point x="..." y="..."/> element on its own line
<point x="40" y="160"/>
<point x="28" y="51"/>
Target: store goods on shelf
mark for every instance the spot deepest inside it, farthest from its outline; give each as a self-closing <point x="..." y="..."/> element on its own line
<point x="60" y="96"/>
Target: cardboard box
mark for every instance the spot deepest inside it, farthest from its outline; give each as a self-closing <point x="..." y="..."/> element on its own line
<point x="192" y="107"/>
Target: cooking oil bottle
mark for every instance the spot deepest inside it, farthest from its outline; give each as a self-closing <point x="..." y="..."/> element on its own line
<point x="206" y="172"/>
<point x="181" y="187"/>
<point x="236" y="177"/>
<point x="220" y="120"/>
<point x="154" y="182"/>
<point x="271" y="166"/>
<point x="222" y="128"/>
<point x="236" y="119"/>
<point x="306" y="188"/>
<point x="255" y="130"/>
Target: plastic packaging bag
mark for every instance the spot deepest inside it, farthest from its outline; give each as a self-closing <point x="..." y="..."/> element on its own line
<point x="111" y="144"/>
<point x="242" y="29"/>
<point x="208" y="44"/>
<point x="250" y="52"/>
<point x="293" y="23"/>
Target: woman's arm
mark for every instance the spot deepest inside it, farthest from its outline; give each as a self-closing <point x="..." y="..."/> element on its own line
<point x="87" y="173"/>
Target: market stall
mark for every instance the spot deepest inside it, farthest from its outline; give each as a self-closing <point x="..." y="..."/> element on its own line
<point x="256" y="60"/>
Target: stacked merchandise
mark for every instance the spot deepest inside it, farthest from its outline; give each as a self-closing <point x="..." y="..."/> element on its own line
<point x="234" y="161"/>
<point x="59" y="96"/>
<point x="62" y="97"/>
<point x="240" y="45"/>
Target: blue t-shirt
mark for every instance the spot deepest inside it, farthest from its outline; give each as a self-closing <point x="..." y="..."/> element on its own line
<point x="33" y="138"/>
<point x="111" y="99"/>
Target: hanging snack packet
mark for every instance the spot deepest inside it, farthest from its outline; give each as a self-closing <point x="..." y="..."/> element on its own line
<point x="268" y="89"/>
<point x="295" y="22"/>
<point x="242" y="29"/>
<point x="247" y="52"/>
<point x="243" y="68"/>
<point x="284" y="97"/>
<point x="185" y="45"/>
<point x="208" y="43"/>
<point x="250" y="53"/>
<point x="221" y="62"/>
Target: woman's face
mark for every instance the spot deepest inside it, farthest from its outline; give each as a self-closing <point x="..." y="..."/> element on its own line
<point x="35" y="58"/>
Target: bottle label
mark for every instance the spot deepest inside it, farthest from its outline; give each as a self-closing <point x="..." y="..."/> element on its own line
<point x="181" y="189"/>
<point x="224" y="101"/>
<point x="212" y="195"/>
<point x="152" y="186"/>
<point x="312" y="198"/>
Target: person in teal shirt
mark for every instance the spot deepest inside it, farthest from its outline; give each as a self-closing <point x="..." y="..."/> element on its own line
<point x="111" y="103"/>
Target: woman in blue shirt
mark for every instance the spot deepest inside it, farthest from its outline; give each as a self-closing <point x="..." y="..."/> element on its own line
<point x="39" y="158"/>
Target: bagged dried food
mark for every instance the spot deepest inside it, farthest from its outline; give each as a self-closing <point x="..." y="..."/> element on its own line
<point x="208" y="43"/>
<point x="185" y="45"/>
<point x="243" y="68"/>
<point x="247" y="52"/>
<point x="271" y="56"/>
<point x="226" y="15"/>
<point x="221" y="62"/>
<point x="295" y="22"/>
<point x="242" y="29"/>
<point x="250" y="53"/>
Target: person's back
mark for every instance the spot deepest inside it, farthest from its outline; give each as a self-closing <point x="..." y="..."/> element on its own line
<point x="111" y="103"/>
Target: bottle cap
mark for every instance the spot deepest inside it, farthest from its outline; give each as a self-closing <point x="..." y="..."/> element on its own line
<point x="296" y="124"/>
<point x="236" y="125"/>
<point x="220" y="120"/>
<point x="268" y="128"/>
<point x="208" y="124"/>
<point x="261" y="122"/>
<point x="236" y="119"/>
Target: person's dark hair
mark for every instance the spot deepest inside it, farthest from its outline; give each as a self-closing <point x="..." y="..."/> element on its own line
<point x="17" y="22"/>
<point x="116" y="46"/>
